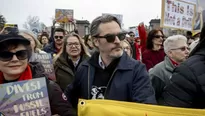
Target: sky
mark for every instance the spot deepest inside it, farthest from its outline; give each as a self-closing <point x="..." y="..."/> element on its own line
<point x="133" y="11"/>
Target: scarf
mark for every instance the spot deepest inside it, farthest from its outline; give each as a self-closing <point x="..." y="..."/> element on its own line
<point x="26" y="75"/>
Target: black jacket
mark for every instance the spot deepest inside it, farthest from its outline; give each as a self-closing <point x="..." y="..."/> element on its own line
<point x="129" y="82"/>
<point x="50" y="48"/>
<point x="58" y="103"/>
<point x="187" y="86"/>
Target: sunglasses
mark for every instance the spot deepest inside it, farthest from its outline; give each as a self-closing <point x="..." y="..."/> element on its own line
<point x="158" y="36"/>
<point x="182" y="48"/>
<point x="132" y="35"/>
<point x="111" y="37"/>
<point x="56" y="37"/>
<point x="7" y="56"/>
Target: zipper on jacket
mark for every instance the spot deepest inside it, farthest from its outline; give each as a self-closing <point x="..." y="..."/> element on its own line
<point x="109" y="83"/>
<point x="88" y="82"/>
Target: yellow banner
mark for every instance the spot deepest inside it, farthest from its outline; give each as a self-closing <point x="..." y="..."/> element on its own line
<point x="119" y="108"/>
<point x="10" y="25"/>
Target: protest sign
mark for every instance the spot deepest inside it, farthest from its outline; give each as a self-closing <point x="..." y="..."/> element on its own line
<point x="25" y="98"/>
<point x="134" y="30"/>
<point x="47" y="62"/>
<point x="120" y="108"/>
<point x="178" y="14"/>
<point x="200" y="14"/>
<point x="64" y="15"/>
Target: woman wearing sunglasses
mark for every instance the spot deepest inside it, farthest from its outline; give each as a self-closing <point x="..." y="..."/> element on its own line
<point x="15" y="51"/>
<point x="154" y="52"/>
<point x="67" y="61"/>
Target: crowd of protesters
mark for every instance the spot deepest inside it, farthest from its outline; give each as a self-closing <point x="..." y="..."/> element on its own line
<point x="109" y="63"/>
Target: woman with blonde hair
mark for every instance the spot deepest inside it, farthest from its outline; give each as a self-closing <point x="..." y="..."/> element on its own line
<point x="127" y="47"/>
<point x="67" y="61"/>
<point x="34" y="43"/>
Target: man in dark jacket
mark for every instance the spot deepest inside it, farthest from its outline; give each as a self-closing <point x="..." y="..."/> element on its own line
<point x="54" y="47"/>
<point x="187" y="87"/>
<point x="110" y="73"/>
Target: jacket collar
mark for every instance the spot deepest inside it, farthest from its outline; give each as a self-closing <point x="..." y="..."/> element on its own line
<point x="125" y="62"/>
<point x="168" y="64"/>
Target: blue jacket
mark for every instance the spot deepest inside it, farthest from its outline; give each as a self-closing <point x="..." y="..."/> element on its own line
<point x="50" y="49"/>
<point x="129" y="83"/>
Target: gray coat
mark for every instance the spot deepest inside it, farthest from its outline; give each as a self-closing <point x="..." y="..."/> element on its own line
<point x="160" y="75"/>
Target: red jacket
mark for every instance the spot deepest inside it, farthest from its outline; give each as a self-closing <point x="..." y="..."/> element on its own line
<point x="150" y="58"/>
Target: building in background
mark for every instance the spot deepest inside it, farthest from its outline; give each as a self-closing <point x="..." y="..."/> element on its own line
<point x="154" y="24"/>
<point x="83" y="27"/>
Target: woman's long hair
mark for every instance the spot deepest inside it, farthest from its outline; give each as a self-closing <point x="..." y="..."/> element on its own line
<point x="150" y="37"/>
<point x="38" y="45"/>
<point x="63" y="52"/>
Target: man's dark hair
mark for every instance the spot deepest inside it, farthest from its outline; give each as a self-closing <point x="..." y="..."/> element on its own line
<point x="150" y="37"/>
<point x="43" y="34"/>
<point x="76" y="31"/>
<point x="94" y="28"/>
<point x="60" y="30"/>
<point x="130" y="32"/>
<point x="189" y="33"/>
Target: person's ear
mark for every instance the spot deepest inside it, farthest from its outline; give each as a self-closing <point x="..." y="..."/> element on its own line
<point x="95" y="42"/>
<point x="170" y="54"/>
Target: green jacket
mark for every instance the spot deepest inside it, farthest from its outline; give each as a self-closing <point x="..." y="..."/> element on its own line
<point x="64" y="72"/>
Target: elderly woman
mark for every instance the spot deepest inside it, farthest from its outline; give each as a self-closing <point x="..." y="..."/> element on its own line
<point x="15" y="51"/>
<point x="177" y="51"/>
<point x="67" y="61"/>
<point x="154" y="52"/>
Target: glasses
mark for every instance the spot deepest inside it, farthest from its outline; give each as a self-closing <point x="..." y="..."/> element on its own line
<point x="73" y="44"/>
<point x="182" y="48"/>
<point x="56" y="37"/>
<point x="111" y="37"/>
<point x="7" y="56"/>
<point x="158" y="36"/>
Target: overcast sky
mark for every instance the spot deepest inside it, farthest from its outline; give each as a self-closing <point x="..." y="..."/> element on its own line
<point x="133" y="11"/>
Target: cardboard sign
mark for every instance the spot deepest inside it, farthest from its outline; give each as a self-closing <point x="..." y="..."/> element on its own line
<point x="64" y="15"/>
<point x="47" y="62"/>
<point x="178" y="14"/>
<point x="25" y="98"/>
